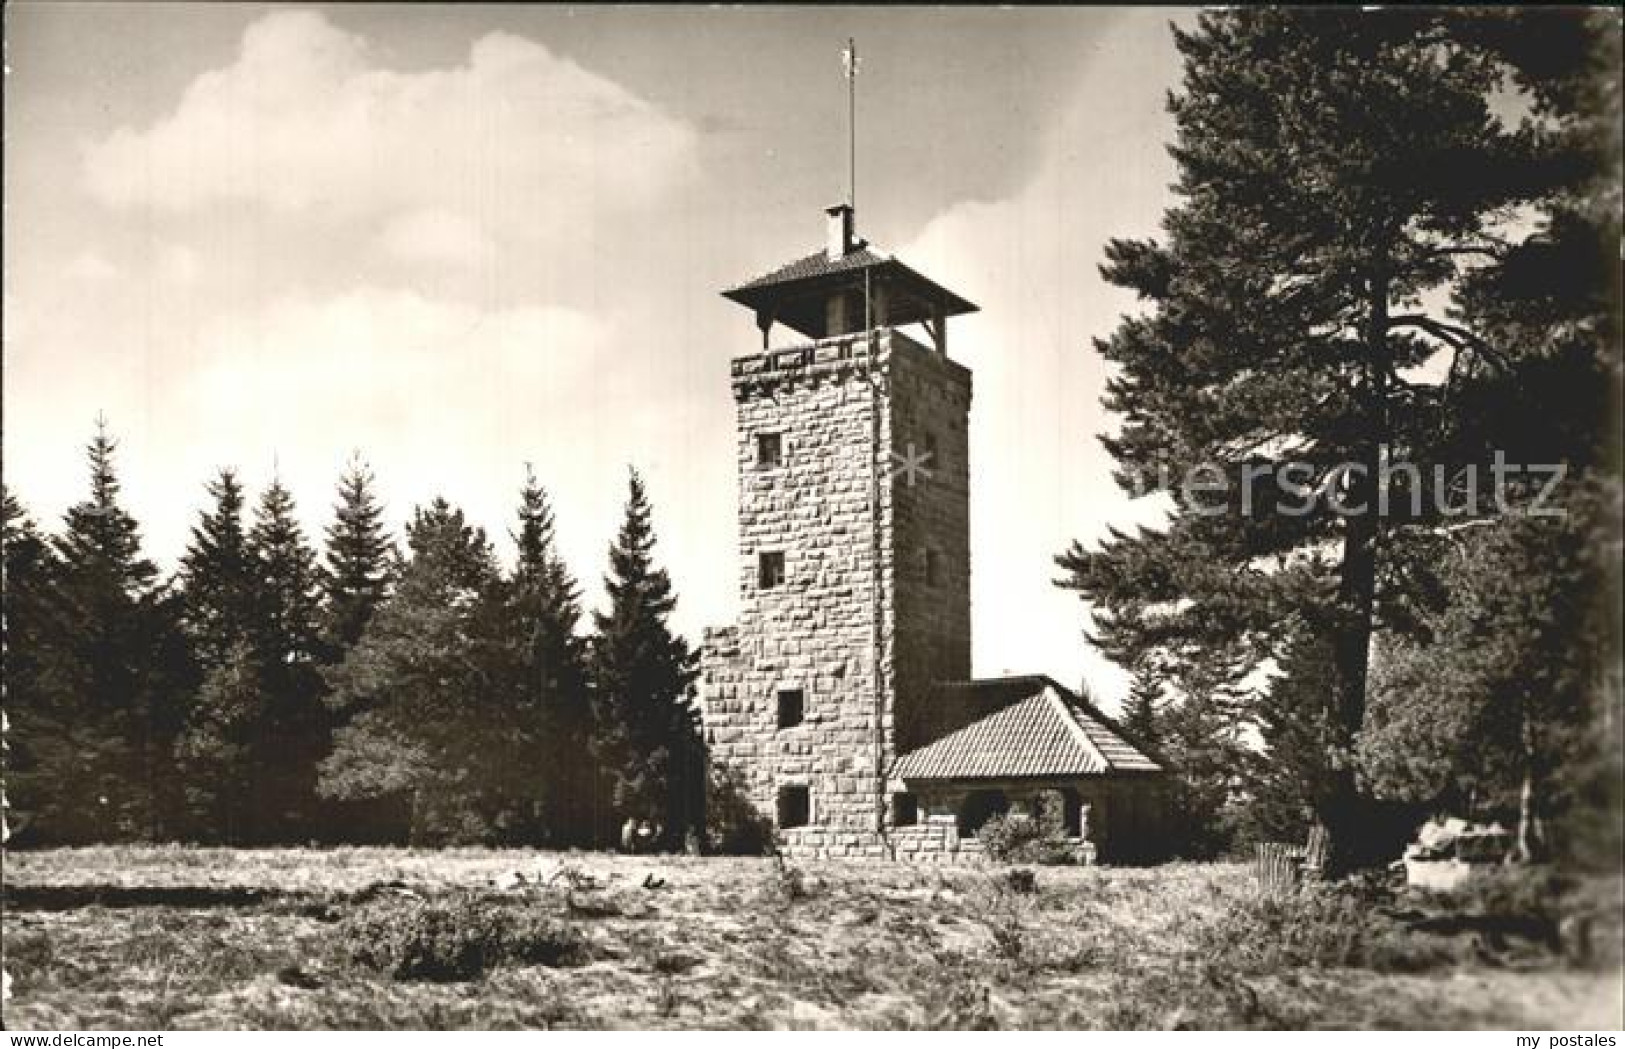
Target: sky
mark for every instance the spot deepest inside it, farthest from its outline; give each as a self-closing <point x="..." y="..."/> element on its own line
<point x="457" y="240"/>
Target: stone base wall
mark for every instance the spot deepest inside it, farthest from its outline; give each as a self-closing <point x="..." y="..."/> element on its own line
<point x="934" y="840"/>
<point x="823" y="843"/>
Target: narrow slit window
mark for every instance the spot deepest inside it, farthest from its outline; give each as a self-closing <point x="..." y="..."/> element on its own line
<point x="769" y="451"/>
<point x="770" y="569"/>
<point x="792" y="707"/>
<point x="795" y="806"/>
<point x="933" y="568"/>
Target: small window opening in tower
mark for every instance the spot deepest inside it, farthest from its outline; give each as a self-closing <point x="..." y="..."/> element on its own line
<point x="769" y="451"/>
<point x="905" y="809"/>
<point x="933" y="567"/>
<point x="933" y="457"/>
<point x="792" y="707"/>
<point x="770" y="569"/>
<point x="795" y="806"/>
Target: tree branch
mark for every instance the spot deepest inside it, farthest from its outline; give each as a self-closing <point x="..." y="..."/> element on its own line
<point x="1494" y="251"/>
<point x="1451" y="334"/>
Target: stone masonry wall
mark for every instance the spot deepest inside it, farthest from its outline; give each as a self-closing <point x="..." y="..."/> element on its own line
<point x="930" y="550"/>
<point x="829" y="402"/>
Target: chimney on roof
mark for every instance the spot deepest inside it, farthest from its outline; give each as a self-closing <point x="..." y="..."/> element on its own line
<point x="839" y="241"/>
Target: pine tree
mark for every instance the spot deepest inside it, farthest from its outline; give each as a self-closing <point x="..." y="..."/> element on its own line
<point x="358" y="560"/>
<point x="1339" y="172"/>
<point x="286" y="645"/>
<point x="1502" y="696"/>
<point x="646" y="738"/>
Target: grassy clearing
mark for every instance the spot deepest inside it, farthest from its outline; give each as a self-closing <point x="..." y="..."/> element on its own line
<point x="381" y="938"/>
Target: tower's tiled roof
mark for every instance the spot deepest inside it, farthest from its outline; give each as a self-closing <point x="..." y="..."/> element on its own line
<point x="818" y="264"/>
<point x="796" y="293"/>
<point x="1041" y="730"/>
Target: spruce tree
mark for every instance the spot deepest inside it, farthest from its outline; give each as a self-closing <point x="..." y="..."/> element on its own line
<point x="358" y="560"/>
<point x="1140" y="711"/>
<point x="545" y="611"/>
<point x="220" y="754"/>
<point x="219" y="591"/>
<point x="646" y="737"/>
<point x="113" y="667"/>
<point x="286" y="645"/>
<point x="425" y="696"/>
<point x="217" y="577"/>
<point x="1510" y="671"/>
<point x="1286" y="779"/>
<point x="24" y="619"/>
<point x="99" y="539"/>
<point x="1341" y="172"/>
<point x="1203" y="750"/>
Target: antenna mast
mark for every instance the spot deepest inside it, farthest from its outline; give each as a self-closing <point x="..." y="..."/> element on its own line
<point x="849" y="60"/>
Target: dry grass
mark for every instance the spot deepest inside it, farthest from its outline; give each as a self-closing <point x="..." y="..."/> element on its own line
<point x="194" y="938"/>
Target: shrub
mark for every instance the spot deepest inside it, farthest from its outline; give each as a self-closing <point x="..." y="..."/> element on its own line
<point x="1019" y="839"/>
<point x="1021" y="880"/>
<point x="1524" y="894"/>
<point x="1005" y="904"/>
<point x="1009" y="938"/>
<point x="28" y="951"/>
<point x="966" y="1006"/>
<point x="456" y="940"/>
<point x="733" y="826"/>
<point x="1329" y="927"/>
<point x="789" y="880"/>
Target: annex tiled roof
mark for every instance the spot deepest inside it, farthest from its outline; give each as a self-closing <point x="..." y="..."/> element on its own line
<point x="1043" y="730"/>
<point x="951" y="705"/>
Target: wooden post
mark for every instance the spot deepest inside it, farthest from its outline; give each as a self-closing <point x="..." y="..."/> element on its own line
<point x="1276" y="867"/>
<point x="1315" y="853"/>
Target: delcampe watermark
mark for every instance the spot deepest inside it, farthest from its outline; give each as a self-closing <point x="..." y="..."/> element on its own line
<point x="1214" y="489"/>
<point x="911" y="464"/>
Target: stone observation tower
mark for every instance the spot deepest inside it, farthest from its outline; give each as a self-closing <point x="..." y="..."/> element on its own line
<point x="841" y="702"/>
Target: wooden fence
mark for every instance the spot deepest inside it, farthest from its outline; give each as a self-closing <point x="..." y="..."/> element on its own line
<point x="1276" y="867"/>
<point x="1279" y="867"/>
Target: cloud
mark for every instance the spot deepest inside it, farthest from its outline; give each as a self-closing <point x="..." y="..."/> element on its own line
<point x="437" y="236"/>
<point x="305" y="122"/>
<point x="443" y="398"/>
<point x="91" y="266"/>
<point x="392" y="366"/>
<point x="322" y="254"/>
<point x="178" y="264"/>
